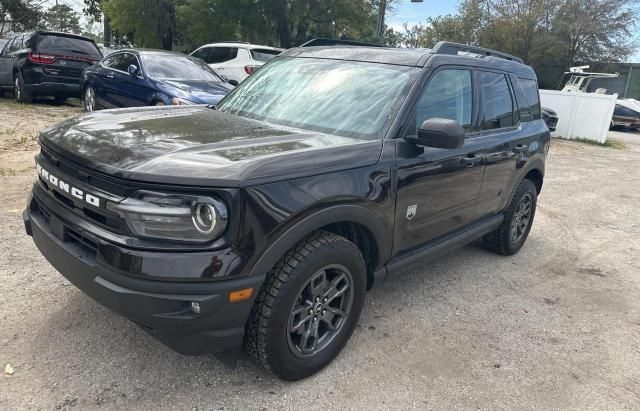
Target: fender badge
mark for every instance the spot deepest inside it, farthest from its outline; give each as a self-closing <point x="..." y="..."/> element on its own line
<point x="411" y="211"/>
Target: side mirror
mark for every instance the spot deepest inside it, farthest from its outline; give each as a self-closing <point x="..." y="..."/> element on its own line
<point x="133" y="70"/>
<point x="439" y="133"/>
<point x="233" y="82"/>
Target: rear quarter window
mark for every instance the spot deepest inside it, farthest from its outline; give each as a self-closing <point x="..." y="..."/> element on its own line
<point x="264" y="55"/>
<point x="68" y="45"/>
<point x="530" y="89"/>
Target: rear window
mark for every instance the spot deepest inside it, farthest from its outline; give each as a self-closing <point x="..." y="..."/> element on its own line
<point x="264" y="54"/>
<point x="68" y="45"/>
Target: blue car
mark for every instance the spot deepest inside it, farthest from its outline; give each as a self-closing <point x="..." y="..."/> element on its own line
<point x="133" y="78"/>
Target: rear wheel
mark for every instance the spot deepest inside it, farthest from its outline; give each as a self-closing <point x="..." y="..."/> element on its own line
<point x="518" y="219"/>
<point x="89" y="98"/>
<point x="20" y="94"/>
<point x="308" y="307"/>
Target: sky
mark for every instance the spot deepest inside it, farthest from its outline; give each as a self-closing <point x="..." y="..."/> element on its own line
<point x="413" y="13"/>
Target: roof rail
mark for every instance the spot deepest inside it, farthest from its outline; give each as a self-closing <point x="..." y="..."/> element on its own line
<point x="235" y="42"/>
<point x="336" y="42"/>
<point x="445" y="47"/>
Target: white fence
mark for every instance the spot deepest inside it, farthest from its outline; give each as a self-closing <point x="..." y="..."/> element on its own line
<point x="582" y="115"/>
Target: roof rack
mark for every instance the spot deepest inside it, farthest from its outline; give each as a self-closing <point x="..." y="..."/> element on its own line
<point x="235" y="42"/>
<point x="445" y="47"/>
<point x="335" y="42"/>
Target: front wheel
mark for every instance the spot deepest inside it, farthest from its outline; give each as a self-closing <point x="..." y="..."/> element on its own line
<point x="308" y="306"/>
<point x="518" y="219"/>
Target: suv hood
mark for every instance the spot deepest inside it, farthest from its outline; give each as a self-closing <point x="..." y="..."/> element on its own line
<point x="195" y="145"/>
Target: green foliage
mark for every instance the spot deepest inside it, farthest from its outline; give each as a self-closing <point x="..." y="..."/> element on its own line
<point x="151" y="22"/>
<point x="551" y="35"/>
<point x="19" y="15"/>
<point x="62" y="18"/>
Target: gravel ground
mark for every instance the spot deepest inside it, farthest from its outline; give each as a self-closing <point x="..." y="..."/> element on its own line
<point x="556" y="326"/>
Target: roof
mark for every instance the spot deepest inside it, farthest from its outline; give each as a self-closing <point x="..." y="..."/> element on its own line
<point x="240" y="45"/>
<point x="447" y="53"/>
<point x="384" y="55"/>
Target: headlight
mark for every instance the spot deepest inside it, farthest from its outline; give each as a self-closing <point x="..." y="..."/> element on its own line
<point x="177" y="101"/>
<point x="173" y="217"/>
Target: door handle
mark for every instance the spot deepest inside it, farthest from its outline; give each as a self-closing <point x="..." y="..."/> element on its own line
<point x="111" y="76"/>
<point x="470" y="160"/>
<point x="520" y="148"/>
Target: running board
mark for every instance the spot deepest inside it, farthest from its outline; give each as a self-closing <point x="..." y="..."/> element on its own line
<point x="446" y="244"/>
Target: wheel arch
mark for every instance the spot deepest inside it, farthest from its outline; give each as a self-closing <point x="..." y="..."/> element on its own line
<point x="356" y="223"/>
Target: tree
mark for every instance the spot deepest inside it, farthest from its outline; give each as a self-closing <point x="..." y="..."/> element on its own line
<point x="151" y="22"/>
<point x="19" y="15"/>
<point x="61" y="17"/>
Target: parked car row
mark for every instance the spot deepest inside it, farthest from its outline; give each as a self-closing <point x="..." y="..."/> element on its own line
<point x="62" y="65"/>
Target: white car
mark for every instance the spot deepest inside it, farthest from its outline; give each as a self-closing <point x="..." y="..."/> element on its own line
<point x="235" y="61"/>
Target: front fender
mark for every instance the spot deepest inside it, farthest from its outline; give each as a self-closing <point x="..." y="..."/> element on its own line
<point x="330" y="215"/>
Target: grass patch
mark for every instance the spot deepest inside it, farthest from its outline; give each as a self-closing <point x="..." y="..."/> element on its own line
<point x="7" y="172"/>
<point x="609" y="143"/>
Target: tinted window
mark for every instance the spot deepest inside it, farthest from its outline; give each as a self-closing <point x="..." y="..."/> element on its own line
<point x="16" y="45"/>
<point x="202" y="54"/>
<point x="264" y="54"/>
<point x="121" y="61"/>
<point x="496" y="101"/>
<point x="530" y="88"/>
<point x="7" y="47"/>
<point x="68" y="45"/>
<point x="448" y="95"/>
<point x="163" y="66"/>
<point x="221" y="54"/>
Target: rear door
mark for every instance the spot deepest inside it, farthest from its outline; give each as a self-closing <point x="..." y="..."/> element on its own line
<point x="6" y="65"/>
<point x="438" y="188"/>
<point x="222" y="59"/>
<point x="63" y="57"/>
<point x="505" y="136"/>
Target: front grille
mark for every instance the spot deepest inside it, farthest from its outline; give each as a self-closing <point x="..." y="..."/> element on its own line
<point x="101" y="217"/>
<point x="68" y="235"/>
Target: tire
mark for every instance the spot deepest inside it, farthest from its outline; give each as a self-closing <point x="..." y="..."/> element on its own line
<point x="89" y="99"/>
<point x="158" y="104"/>
<point x="276" y="329"/>
<point x="20" y="95"/>
<point x="509" y="238"/>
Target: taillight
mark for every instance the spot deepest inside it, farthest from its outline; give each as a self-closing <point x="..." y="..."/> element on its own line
<point x="250" y="69"/>
<point x="42" y="58"/>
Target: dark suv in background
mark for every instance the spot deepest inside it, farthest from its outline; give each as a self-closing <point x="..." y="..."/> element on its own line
<point x="45" y="63"/>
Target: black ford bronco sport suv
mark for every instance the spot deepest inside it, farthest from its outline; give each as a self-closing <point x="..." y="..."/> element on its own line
<point x="264" y="221"/>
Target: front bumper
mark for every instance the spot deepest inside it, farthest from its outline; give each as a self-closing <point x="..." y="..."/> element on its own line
<point x="162" y="308"/>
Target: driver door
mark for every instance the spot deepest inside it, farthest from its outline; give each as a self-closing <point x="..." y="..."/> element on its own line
<point x="438" y="188"/>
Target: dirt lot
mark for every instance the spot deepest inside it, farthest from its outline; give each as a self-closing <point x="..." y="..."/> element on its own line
<point x="556" y="326"/>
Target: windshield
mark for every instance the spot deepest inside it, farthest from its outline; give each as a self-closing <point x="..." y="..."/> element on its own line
<point x="176" y="67"/>
<point x="345" y="98"/>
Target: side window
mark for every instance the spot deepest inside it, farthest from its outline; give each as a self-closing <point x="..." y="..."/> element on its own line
<point x="121" y="61"/>
<point x="7" y="47"/>
<point x="448" y="95"/>
<point x="202" y="54"/>
<point x="496" y="101"/>
<point x="16" y="45"/>
<point x="222" y="54"/>
<point x="530" y="88"/>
